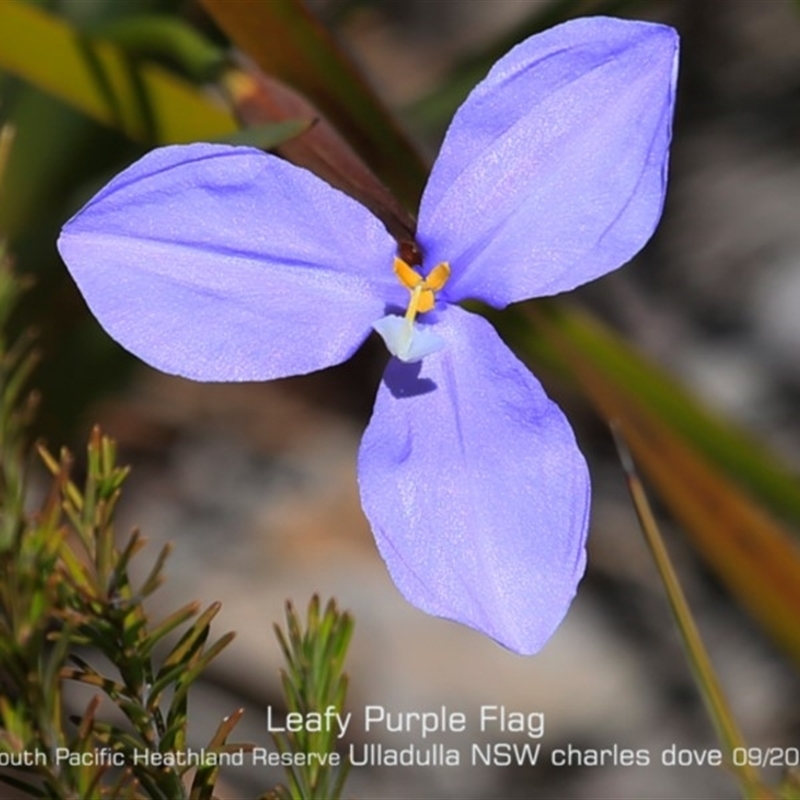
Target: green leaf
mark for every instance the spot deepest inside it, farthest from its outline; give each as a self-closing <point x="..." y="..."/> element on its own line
<point x="193" y="639"/>
<point x="174" y="620"/>
<point x="144" y="101"/>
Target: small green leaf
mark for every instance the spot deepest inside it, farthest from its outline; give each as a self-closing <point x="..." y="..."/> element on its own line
<point x="194" y="638"/>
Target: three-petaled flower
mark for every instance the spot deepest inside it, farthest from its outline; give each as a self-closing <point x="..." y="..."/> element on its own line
<point x="224" y="263"/>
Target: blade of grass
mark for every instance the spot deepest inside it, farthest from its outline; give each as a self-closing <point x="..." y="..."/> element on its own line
<point x="717" y="704"/>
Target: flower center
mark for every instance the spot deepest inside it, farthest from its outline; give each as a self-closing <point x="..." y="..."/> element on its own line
<point x="422" y="289"/>
<point x="404" y="338"/>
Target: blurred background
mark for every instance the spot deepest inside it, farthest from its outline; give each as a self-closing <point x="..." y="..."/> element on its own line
<point x="255" y="483"/>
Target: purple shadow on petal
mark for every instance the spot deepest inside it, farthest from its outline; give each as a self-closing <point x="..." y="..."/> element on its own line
<point x="403" y="379"/>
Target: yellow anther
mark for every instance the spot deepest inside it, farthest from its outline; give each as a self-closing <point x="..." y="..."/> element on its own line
<point x="422" y="289"/>
<point x="408" y="276"/>
<point x="438" y="276"/>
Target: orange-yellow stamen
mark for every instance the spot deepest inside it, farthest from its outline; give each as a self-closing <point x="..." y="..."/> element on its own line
<point x="422" y="289"/>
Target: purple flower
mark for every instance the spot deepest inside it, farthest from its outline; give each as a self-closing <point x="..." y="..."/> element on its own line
<point x="226" y="264"/>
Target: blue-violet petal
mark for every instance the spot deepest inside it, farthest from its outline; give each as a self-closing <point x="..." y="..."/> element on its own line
<point x="475" y="488"/>
<point x="224" y="263"/>
<point x="553" y="171"/>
